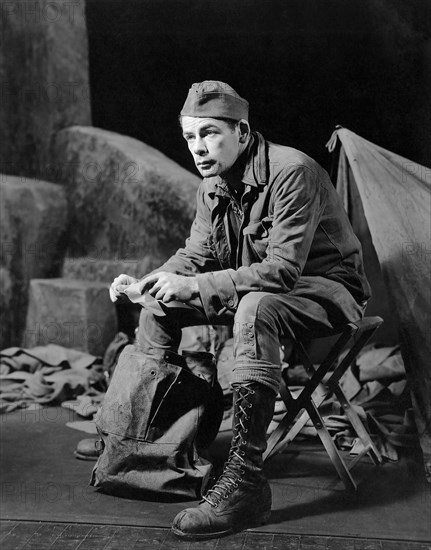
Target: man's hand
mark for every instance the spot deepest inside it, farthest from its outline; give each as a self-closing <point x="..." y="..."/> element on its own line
<point x="166" y="287"/>
<point x="120" y="283"/>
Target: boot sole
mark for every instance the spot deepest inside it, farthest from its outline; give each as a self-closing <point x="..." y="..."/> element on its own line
<point x="262" y="519"/>
<point x="85" y="457"/>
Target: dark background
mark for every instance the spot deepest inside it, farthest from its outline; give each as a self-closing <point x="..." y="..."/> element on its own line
<point x="304" y="65"/>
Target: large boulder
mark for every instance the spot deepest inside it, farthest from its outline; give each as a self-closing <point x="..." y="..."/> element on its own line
<point x="44" y="81"/>
<point x="128" y="201"/>
<point x="33" y="222"/>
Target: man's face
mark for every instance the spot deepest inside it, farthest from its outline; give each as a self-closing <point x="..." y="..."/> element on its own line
<point x="212" y="143"/>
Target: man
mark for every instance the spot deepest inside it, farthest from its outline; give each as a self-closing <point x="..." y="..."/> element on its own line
<point x="271" y="252"/>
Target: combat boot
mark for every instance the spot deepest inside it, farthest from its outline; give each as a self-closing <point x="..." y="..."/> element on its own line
<point x="241" y="498"/>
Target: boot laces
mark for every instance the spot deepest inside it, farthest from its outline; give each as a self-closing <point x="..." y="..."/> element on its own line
<point x="233" y="469"/>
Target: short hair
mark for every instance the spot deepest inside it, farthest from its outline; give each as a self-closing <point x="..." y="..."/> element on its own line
<point x="232" y="123"/>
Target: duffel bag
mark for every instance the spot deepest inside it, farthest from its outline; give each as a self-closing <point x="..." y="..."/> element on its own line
<point x="156" y="418"/>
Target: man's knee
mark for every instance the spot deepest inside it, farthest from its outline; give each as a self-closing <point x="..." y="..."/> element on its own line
<point x="256" y="305"/>
<point x="256" y="331"/>
<point x="145" y="317"/>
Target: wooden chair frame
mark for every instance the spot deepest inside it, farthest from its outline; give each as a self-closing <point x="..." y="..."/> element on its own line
<point x="306" y="405"/>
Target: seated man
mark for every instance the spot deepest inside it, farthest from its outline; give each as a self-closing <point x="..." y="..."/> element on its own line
<point x="271" y="251"/>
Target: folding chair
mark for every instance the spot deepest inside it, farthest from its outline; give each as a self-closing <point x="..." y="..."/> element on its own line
<point x="352" y="339"/>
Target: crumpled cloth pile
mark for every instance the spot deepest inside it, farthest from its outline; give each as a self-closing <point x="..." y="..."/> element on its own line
<point x="45" y="375"/>
<point x="375" y="385"/>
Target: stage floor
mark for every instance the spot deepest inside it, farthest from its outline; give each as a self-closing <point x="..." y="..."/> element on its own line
<point x="47" y="503"/>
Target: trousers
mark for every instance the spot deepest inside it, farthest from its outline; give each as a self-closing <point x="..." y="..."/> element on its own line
<point x="316" y="306"/>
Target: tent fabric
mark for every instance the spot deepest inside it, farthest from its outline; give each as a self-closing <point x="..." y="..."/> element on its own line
<point x="396" y="202"/>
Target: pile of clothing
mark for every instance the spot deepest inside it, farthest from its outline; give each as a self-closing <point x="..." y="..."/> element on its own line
<point x="47" y="375"/>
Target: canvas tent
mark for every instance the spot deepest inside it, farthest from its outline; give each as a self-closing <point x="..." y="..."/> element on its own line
<point x="388" y="199"/>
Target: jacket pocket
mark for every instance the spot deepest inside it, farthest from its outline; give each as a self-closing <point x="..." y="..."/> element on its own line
<point x="258" y="235"/>
<point x="259" y="229"/>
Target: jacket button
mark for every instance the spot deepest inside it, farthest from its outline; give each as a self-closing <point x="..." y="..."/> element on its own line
<point x="230" y="303"/>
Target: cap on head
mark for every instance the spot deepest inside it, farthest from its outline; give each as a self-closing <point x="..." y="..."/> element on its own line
<point x="214" y="99"/>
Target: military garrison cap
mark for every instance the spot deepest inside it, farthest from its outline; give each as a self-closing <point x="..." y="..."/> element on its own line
<point x="214" y="99"/>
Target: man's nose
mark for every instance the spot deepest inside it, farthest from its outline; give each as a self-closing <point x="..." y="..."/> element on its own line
<point x="199" y="147"/>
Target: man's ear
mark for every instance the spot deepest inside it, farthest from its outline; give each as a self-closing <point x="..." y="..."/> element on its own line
<point x="244" y="130"/>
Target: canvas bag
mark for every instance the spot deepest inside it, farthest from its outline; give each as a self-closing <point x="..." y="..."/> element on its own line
<point x="156" y="418"/>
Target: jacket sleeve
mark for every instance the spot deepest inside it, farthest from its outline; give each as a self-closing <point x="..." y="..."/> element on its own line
<point x="299" y="201"/>
<point x="197" y="256"/>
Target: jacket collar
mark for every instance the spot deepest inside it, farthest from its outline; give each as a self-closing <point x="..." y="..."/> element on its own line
<point x="255" y="171"/>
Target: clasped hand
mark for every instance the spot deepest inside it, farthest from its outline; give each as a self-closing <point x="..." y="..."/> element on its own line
<point x="162" y="286"/>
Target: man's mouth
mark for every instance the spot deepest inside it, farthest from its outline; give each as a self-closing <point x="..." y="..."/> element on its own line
<point x="206" y="164"/>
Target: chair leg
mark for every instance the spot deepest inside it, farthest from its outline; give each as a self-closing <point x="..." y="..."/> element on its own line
<point x="330" y="447"/>
<point x="283" y="439"/>
<point x="292" y="423"/>
<point x="358" y="426"/>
